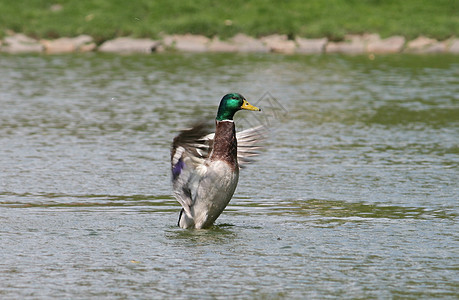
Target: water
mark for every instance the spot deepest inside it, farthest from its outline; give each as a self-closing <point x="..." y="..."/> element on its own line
<point x="355" y="196"/>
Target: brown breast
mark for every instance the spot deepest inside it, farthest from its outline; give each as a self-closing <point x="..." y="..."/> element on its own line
<point x="225" y="143"/>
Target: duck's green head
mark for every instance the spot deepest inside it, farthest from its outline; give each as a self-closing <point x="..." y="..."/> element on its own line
<point x="230" y="104"/>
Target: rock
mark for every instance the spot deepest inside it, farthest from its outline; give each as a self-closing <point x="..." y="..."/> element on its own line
<point x="217" y="45"/>
<point x="438" y="47"/>
<point x="423" y="44"/>
<point x="126" y="45"/>
<point x="344" y="47"/>
<point x="82" y="43"/>
<point x="353" y="44"/>
<point x="279" y="43"/>
<point x="245" y="43"/>
<point x="392" y="44"/>
<point x="454" y="46"/>
<point x="419" y="43"/>
<point x="187" y="42"/>
<point x="311" y="46"/>
<point x="19" y="43"/>
<point x="62" y="45"/>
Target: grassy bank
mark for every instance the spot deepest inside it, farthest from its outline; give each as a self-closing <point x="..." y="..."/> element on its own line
<point x="106" y="19"/>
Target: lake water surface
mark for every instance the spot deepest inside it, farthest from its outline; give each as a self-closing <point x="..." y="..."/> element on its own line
<point x="355" y="195"/>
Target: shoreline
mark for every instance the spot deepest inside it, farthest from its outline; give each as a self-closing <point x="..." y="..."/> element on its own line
<point x="17" y="43"/>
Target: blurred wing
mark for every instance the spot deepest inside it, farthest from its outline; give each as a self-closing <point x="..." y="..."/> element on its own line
<point x="249" y="144"/>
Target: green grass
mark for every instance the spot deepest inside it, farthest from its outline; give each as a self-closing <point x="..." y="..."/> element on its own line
<point x="106" y="19"/>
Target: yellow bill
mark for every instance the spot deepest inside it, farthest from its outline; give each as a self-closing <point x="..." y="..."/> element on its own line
<point x="248" y="106"/>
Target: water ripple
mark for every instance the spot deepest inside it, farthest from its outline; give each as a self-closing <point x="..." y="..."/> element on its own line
<point x="306" y="209"/>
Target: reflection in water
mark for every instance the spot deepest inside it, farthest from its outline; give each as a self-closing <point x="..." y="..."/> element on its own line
<point x="332" y="209"/>
<point x="312" y="209"/>
<point x="217" y="234"/>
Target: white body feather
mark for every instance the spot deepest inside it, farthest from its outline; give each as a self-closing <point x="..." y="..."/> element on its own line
<point x="211" y="191"/>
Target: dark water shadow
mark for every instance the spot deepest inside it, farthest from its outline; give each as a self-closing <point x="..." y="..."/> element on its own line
<point x="322" y="208"/>
<point x="69" y="201"/>
<point x="397" y="114"/>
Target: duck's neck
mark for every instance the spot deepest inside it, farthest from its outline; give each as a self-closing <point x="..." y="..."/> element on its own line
<point x="225" y="143"/>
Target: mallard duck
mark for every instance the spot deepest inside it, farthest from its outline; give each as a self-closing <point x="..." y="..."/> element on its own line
<point x="205" y="166"/>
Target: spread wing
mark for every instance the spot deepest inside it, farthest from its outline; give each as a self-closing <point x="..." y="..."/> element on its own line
<point x="249" y="144"/>
<point x="189" y="151"/>
<point x="192" y="147"/>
